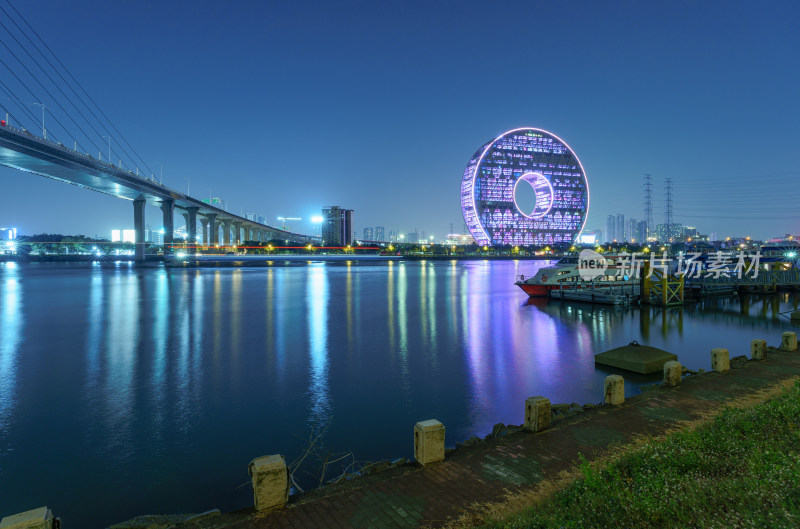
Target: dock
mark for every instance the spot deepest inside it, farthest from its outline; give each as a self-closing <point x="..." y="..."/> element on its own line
<point x="603" y="292"/>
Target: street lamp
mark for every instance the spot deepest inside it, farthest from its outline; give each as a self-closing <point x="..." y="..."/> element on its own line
<point x="109" y="147"/>
<point x="44" y="131"/>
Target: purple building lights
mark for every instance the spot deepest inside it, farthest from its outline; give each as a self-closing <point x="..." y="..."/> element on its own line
<point x="492" y="184"/>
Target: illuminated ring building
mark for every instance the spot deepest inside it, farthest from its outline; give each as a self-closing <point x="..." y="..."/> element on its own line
<point x="525" y="157"/>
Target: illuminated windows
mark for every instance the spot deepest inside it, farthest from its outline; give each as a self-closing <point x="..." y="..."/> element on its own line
<point x="524" y="157"/>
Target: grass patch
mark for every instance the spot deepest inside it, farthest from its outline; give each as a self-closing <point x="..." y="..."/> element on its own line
<point x="739" y="469"/>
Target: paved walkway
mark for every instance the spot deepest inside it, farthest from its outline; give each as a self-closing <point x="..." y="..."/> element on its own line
<point x="410" y="496"/>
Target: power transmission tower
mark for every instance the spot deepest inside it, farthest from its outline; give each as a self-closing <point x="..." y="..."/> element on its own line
<point x="648" y="204"/>
<point x="668" y="208"/>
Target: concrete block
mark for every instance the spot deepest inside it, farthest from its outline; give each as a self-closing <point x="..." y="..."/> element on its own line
<point x="614" y="390"/>
<point x="795" y="316"/>
<point x="720" y="360"/>
<point x="537" y="414"/>
<point x="270" y="481"/>
<point x="635" y="357"/>
<point x="673" y="370"/>
<point x="428" y="441"/>
<point x="758" y="349"/>
<point x="40" y="518"/>
<point x="789" y="341"/>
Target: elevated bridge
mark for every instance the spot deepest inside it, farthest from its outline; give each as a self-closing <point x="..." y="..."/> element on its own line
<point x="22" y="150"/>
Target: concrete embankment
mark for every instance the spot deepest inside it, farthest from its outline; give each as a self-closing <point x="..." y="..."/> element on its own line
<point x="517" y="460"/>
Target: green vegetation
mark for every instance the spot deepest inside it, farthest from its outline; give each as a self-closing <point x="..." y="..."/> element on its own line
<point x="741" y="469"/>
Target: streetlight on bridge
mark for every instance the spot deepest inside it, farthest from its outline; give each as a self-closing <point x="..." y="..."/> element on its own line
<point x="109" y="147"/>
<point x="44" y="131"/>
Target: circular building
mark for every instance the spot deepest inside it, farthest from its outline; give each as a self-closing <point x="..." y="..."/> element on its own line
<point x="525" y="187"/>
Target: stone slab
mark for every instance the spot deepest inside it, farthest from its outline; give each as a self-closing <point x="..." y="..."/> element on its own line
<point x="641" y="359"/>
<point x="40" y="518"/>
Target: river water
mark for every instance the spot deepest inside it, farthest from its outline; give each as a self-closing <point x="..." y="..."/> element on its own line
<point x="126" y="391"/>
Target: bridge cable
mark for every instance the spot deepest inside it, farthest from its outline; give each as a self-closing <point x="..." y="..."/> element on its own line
<point x="56" y="85"/>
<point x="48" y="93"/>
<point x="119" y="134"/>
<point x="20" y="104"/>
<point x="34" y="118"/>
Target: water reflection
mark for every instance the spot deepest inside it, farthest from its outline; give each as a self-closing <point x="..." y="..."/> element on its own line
<point x="161" y="313"/>
<point x="119" y="354"/>
<point x="11" y="322"/>
<point x="317" y="303"/>
<point x="168" y="363"/>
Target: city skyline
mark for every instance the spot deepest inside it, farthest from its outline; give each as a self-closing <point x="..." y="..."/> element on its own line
<point x="222" y="103"/>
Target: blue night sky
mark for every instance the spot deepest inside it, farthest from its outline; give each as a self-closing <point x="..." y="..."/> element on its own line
<point x="283" y="107"/>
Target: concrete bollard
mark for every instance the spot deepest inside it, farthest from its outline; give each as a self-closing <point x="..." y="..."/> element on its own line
<point x="789" y="341"/>
<point x="40" y="518"/>
<point x="537" y="414"/>
<point x="673" y="371"/>
<point x="615" y="390"/>
<point x="270" y="481"/>
<point x="428" y="442"/>
<point x="758" y="349"/>
<point x="720" y="360"/>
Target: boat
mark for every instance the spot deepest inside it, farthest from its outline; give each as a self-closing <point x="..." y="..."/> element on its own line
<point x="566" y="273"/>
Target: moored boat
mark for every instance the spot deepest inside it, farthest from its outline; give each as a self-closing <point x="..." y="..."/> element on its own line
<point x="567" y="272"/>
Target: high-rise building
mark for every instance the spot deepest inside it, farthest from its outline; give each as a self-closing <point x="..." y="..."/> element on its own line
<point x="670" y="232"/>
<point x="368" y="234"/>
<point x="633" y="232"/>
<point x="380" y="233"/>
<point x="611" y="228"/>
<point x="413" y="237"/>
<point x="620" y="234"/>
<point x="641" y="231"/>
<point x="337" y="227"/>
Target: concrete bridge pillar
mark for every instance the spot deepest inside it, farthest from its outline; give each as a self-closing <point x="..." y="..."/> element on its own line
<point x="186" y="223"/>
<point x="226" y="232"/>
<point x="138" y="227"/>
<point x="167" y="210"/>
<point x="204" y="223"/>
<point x="191" y="227"/>
<point x="213" y="232"/>
<point x="237" y="228"/>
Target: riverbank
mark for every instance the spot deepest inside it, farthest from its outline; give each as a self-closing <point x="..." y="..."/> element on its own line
<point x="736" y="470"/>
<point x="262" y="259"/>
<point x="473" y="484"/>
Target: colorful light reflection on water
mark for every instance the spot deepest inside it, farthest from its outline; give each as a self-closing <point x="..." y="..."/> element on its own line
<point x="149" y="390"/>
